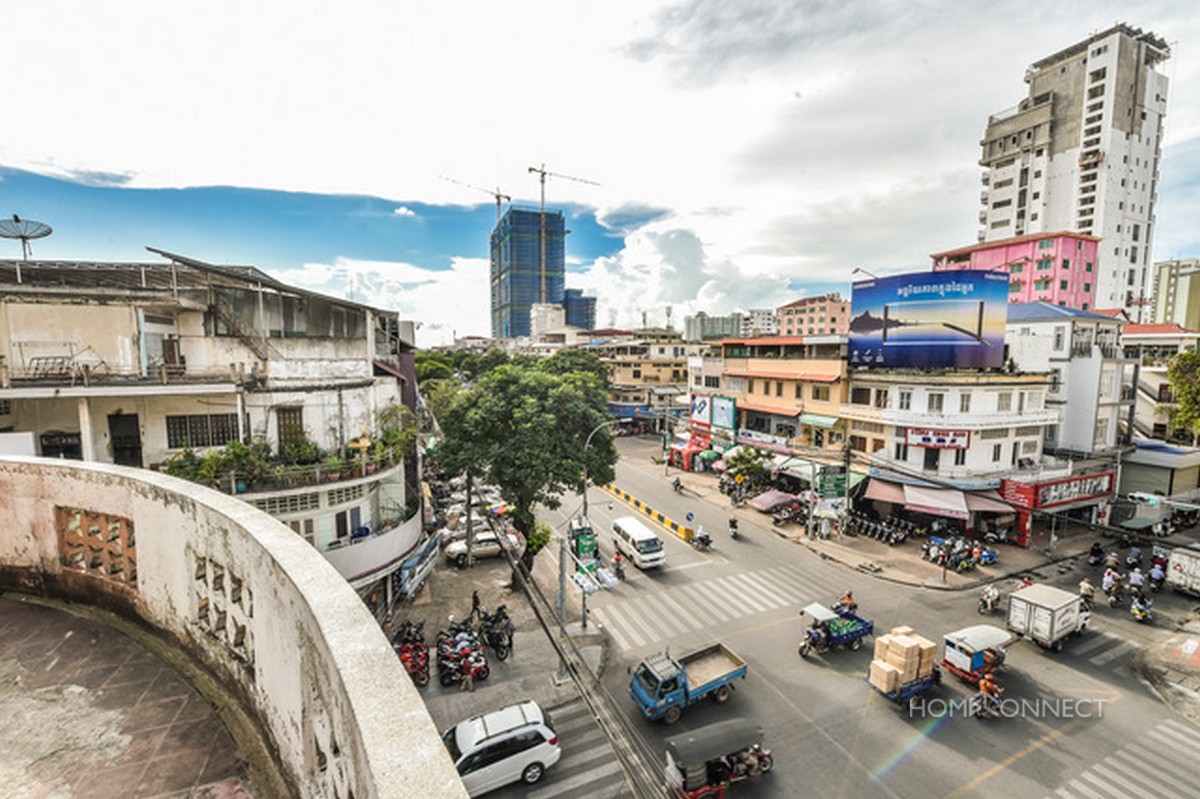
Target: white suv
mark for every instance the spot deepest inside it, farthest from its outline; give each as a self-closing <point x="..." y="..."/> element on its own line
<point x="498" y="748"/>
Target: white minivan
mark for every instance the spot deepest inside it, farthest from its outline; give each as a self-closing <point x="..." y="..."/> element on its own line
<point x="635" y="541"/>
<point x="498" y="748"/>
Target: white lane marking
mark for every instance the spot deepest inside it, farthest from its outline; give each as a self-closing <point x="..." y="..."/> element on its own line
<point x="1106" y="786"/>
<point x="1183" y="729"/>
<point x="758" y="591"/>
<point x="1113" y="654"/>
<point x="1184" y="747"/>
<point x="1083" y="789"/>
<point x="793" y="592"/>
<point x="743" y="599"/>
<point x="685" y="617"/>
<point x="637" y="633"/>
<point x="1125" y="780"/>
<point x="1159" y="770"/>
<point x="1095" y="640"/>
<point x="614" y="630"/>
<point x="562" y="787"/>
<point x="647" y="615"/>
<point x="707" y="603"/>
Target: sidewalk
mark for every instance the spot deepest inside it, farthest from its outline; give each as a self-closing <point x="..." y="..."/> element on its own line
<point x="531" y="671"/>
<point x="1173" y="669"/>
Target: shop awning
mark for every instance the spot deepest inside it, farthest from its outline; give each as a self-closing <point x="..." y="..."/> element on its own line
<point x="988" y="502"/>
<point x="750" y="406"/>
<point x="709" y="455"/>
<point x="1139" y="523"/>
<point x="936" y="501"/>
<point x="817" y="420"/>
<point x="768" y="501"/>
<point x="884" y="491"/>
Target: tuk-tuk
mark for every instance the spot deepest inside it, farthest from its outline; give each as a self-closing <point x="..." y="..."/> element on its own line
<point x="706" y="761"/>
<point x="974" y="651"/>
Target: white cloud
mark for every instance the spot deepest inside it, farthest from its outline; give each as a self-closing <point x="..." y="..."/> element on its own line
<point x="404" y="211"/>
<point x="771" y="143"/>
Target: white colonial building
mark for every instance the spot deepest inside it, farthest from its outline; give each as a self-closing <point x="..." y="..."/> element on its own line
<point x="138" y="364"/>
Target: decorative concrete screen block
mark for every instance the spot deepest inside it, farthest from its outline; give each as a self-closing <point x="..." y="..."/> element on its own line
<point x="224" y="607"/>
<point x="97" y="544"/>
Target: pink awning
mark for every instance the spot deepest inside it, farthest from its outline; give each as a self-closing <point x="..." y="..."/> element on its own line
<point x="936" y="501"/>
<point x="988" y="502"/>
<point x="884" y="491"/>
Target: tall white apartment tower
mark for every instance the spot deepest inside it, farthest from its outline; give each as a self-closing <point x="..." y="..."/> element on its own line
<point x="1081" y="153"/>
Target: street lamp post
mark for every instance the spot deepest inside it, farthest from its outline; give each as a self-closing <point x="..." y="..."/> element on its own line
<point x="586" y="444"/>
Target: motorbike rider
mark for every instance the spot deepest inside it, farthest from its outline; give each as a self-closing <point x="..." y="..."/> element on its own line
<point x="1096" y="553"/>
<point x="1157" y="576"/>
<point x="989" y="691"/>
<point x="619" y="565"/>
<point x="677" y="485"/>
<point x="990" y="595"/>
<point x="1135" y="554"/>
<point x="847" y="603"/>
<point x="1087" y="590"/>
<point x="1137" y="581"/>
<point x="1113" y="561"/>
<point x="733" y="527"/>
<point x="1140" y="607"/>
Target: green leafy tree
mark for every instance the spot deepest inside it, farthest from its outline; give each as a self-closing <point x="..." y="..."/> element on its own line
<point x="433" y="369"/>
<point x="439" y="394"/>
<point x="751" y="464"/>
<point x="1184" y="374"/>
<point x="524" y="430"/>
<point x="575" y="360"/>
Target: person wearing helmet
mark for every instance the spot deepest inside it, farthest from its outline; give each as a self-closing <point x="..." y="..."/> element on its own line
<point x="847" y="603"/>
<point x="1136" y="580"/>
<point x="1087" y="592"/>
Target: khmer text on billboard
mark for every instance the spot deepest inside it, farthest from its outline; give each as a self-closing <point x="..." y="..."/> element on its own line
<point x="930" y="319"/>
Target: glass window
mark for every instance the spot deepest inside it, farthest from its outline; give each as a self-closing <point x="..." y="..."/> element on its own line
<point x="901" y="451"/>
<point x="996" y="453"/>
<point x="291" y="427"/>
<point x="1058" y="338"/>
<point x="779" y="388"/>
<point x="935" y="403"/>
<point x="820" y="393"/>
<point x="1062" y="285"/>
<point x="1004" y="401"/>
<point x="881" y="398"/>
<point x="964" y="403"/>
<point x="860" y="396"/>
<point x="960" y="457"/>
<point x="905" y="400"/>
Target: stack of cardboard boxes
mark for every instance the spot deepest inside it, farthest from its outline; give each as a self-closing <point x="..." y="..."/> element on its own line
<point x="901" y="657"/>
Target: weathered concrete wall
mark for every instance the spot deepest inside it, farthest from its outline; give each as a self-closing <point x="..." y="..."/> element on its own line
<point x="248" y="599"/>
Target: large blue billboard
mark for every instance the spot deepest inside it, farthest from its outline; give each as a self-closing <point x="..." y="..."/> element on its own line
<point x="930" y="319"/>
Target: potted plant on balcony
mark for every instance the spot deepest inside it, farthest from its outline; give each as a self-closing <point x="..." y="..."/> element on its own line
<point x="333" y="467"/>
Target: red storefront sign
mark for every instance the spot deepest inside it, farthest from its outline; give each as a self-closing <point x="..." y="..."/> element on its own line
<point x="1058" y="492"/>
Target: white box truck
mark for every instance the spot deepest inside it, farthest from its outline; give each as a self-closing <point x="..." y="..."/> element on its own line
<point x="1183" y="570"/>
<point x="1046" y="615"/>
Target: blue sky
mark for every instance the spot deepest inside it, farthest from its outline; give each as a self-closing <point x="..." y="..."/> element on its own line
<point x="746" y="153"/>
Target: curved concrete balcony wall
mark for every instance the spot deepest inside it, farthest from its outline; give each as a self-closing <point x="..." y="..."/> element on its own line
<point x="375" y="556"/>
<point x="246" y="598"/>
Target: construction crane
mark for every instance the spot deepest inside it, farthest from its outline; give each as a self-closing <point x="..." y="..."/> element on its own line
<point x="542" y="173"/>
<point x="499" y="197"/>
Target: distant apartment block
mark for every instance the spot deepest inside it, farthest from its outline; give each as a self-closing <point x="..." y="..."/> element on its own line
<point x="1058" y="268"/>
<point x="702" y="327"/>
<point x="581" y="310"/>
<point x="759" y="322"/>
<point x="1177" y="293"/>
<point x="1081" y="153"/>
<point x="827" y="315"/>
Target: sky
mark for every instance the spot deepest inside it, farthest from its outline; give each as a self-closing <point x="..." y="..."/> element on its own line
<point x="747" y="153"/>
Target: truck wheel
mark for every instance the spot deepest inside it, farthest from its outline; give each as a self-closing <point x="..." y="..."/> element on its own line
<point x="672" y="715"/>
<point x="1057" y="646"/>
<point x="856" y="644"/>
<point x="722" y="695"/>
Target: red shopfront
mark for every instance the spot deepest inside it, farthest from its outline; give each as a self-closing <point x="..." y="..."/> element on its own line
<point x="1054" y="495"/>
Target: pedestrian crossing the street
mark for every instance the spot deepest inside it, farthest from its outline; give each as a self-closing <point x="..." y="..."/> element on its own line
<point x="1160" y="764"/>
<point x="663" y="615"/>
<point x="588" y="767"/>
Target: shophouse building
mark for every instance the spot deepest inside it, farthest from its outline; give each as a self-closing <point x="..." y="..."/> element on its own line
<point x="140" y="364"/>
<point x="825" y="315"/>
<point x="1152" y="347"/>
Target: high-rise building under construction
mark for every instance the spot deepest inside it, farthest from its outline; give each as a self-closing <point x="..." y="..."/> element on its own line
<point x="1081" y="153"/>
<point x="518" y="279"/>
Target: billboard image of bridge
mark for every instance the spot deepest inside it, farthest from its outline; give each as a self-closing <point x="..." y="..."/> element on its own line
<point x="930" y="319"/>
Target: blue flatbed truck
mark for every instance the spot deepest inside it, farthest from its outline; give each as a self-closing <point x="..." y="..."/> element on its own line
<point x="663" y="686"/>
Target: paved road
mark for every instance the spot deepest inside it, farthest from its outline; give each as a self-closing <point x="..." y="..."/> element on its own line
<point x="827" y="727"/>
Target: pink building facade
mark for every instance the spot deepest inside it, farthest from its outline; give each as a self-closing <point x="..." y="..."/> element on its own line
<point x="827" y="315"/>
<point x="1058" y="268"/>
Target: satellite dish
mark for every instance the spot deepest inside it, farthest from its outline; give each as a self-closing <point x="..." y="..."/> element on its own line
<point x="23" y="229"/>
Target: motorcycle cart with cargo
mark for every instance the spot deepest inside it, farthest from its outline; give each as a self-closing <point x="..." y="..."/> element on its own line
<point x="974" y="651"/>
<point x="830" y="629"/>
<point x="702" y="763"/>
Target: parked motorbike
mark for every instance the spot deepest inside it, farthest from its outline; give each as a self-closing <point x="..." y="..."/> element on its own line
<point x="409" y="645"/>
<point x="496" y="631"/>
<point x="996" y="536"/>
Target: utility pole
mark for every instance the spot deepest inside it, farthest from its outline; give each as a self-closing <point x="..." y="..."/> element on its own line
<point x="542" y="173"/>
<point x="846" y="512"/>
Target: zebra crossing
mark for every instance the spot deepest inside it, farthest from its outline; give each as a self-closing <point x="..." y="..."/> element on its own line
<point x="1103" y="650"/>
<point x="587" y="768"/>
<point x="1159" y="764"/>
<point x="638" y="621"/>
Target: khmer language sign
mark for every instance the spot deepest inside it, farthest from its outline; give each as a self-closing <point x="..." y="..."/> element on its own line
<point x="930" y="320"/>
<point x="931" y="438"/>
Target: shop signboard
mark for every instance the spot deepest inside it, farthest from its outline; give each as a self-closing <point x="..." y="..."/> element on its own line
<point x="701" y="411"/>
<point x="933" y="438"/>
<point x="929" y="320"/>
<point x="1057" y="492"/>
<point x="724" y="413"/>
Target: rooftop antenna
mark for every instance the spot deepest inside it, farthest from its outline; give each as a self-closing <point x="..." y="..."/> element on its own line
<point x="23" y="229"/>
